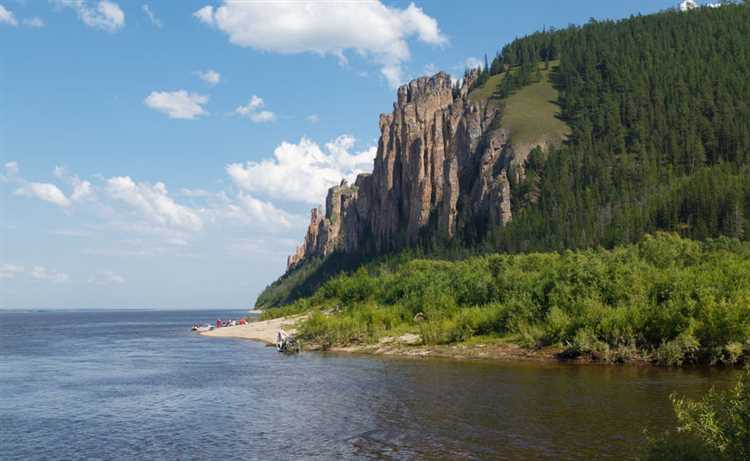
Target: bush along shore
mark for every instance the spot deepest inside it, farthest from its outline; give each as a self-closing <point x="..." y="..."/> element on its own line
<point x="664" y="300"/>
<point x="714" y="428"/>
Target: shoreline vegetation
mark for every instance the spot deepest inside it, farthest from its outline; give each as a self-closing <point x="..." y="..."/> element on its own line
<point x="713" y="428"/>
<point x="665" y="300"/>
<point x="407" y="345"/>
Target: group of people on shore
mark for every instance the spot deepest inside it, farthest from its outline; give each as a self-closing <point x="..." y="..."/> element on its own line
<point x="229" y="323"/>
<point x="219" y="324"/>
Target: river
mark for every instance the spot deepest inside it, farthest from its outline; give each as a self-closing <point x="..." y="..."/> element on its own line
<point x="139" y="385"/>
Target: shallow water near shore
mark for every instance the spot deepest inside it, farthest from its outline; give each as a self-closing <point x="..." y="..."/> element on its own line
<point x="140" y="385"/>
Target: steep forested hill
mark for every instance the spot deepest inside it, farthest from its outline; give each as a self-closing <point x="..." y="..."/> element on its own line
<point x="660" y="111"/>
<point x="657" y="113"/>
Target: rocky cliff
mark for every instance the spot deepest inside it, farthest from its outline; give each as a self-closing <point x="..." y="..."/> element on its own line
<point x="444" y="167"/>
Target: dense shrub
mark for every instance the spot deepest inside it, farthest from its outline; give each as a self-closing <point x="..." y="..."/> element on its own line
<point x="677" y="300"/>
<point x="716" y="428"/>
<point x="678" y="351"/>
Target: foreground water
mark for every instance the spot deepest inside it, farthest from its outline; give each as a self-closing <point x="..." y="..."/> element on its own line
<point x="140" y="385"/>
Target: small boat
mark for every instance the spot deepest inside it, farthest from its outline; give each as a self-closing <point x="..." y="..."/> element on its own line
<point x="200" y="328"/>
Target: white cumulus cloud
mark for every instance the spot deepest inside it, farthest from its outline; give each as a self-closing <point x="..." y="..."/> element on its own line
<point x="154" y="203"/>
<point x="106" y="15"/>
<point x="303" y="172"/>
<point x="47" y="191"/>
<point x="177" y="104"/>
<point x="210" y="76"/>
<point x="144" y="216"/>
<point x="253" y="111"/>
<point x="260" y="211"/>
<point x="205" y="14"/>
<point x="44" y="191"/>
<point x="82" y="190"/>
<point x="7" y="17"/>
<point x="244" y="209"/>
<point x="370" y="28"/>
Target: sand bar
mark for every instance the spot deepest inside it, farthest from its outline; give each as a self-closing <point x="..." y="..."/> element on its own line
<point x="264" y="330"/>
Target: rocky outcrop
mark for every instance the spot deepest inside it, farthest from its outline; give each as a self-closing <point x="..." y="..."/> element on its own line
<point x="442" y="169"/>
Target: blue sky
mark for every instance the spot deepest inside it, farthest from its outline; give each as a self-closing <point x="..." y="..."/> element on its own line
<point x="166" y="154"/>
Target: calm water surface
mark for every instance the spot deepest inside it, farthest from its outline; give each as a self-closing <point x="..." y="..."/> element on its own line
<point x="140" y="385"/>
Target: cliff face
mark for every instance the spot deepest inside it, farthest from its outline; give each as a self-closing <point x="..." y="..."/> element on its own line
<point x="442" y="167"/>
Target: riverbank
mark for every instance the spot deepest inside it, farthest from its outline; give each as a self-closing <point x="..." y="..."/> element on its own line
<point x="502" y="352"/>
<point x="666" y="300"/>
<point x="406" y="345"/>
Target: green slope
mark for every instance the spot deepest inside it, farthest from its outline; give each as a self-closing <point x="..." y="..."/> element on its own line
<point x="531" y="114"/>
<point x="488" y="90"/>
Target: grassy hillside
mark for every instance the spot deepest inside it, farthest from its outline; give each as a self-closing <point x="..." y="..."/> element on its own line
<point x="487" y="91"/>
<point x="665" y="299"/>
<point x="531" y="114"/>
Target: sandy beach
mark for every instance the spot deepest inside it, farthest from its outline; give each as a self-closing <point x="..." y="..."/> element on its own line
<point x="264" y="330"/>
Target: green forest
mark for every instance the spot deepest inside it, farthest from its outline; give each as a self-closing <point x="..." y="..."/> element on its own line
<point x="659" y="108"/>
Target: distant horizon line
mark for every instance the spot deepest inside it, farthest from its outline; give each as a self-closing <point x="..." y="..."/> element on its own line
<point x="120" y="309"/>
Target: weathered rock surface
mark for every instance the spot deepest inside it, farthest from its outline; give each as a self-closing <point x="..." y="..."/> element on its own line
<point x="442" y="168"/>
